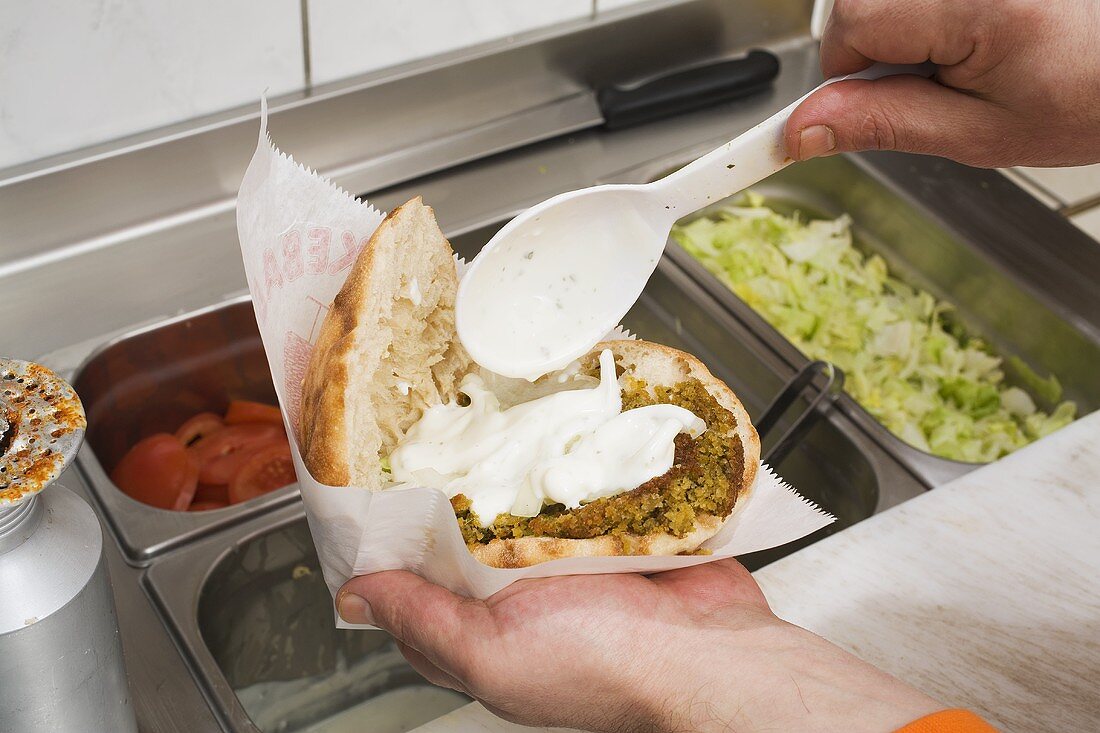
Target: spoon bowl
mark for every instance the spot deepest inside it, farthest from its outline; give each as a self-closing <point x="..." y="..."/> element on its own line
<point x="564" y="276"/>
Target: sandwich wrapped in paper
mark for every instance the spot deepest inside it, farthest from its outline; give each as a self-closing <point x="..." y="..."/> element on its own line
<point x="633" y="459"/>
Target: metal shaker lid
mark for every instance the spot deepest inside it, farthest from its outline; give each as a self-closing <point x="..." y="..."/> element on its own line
<point x="41" y="427"/>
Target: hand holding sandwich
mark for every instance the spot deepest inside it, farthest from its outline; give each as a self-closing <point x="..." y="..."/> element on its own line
<point x="695" y="649"/>
<point x="391" y="399"/>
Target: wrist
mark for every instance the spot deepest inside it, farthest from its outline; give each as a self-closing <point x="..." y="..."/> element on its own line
<point x="777" y="676"/>
<point x="834" y="683"/>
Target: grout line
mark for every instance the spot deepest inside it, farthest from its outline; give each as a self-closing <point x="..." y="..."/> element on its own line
<point x="307" y="69"/>
<point x="592" y="15"/>
<point x="1081" y="206"/>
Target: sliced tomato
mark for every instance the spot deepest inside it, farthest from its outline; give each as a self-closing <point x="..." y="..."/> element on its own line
<point x="245" y="411"/>
<point x="204" y="506"/>
<point x="158" y="471"/>
<point x="211" y="492"/>
<point x="221" y="454"/>
<point x="268" y="469"/>
<point x="199" y="426"/>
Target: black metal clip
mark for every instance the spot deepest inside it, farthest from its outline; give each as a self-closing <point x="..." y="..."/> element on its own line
<point x="807" y="377"/>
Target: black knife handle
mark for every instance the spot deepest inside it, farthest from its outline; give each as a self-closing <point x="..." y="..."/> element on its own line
<point x="687" y="90"/>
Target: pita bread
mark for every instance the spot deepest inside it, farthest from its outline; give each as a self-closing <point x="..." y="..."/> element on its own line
<point x="388" y="349"/>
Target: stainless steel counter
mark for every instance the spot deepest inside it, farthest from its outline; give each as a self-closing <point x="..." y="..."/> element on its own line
<point x="107" y="274"/>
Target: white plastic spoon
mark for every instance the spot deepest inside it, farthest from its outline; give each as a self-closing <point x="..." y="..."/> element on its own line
<point x="561" y="275"/>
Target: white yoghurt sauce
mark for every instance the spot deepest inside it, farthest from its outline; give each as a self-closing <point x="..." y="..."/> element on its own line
<point x="544" y="299"/>
<point x="569" y="447"/>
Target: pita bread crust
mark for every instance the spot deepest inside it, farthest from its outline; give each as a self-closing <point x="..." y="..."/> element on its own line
<point x="322" y="429"/>
<point x="386" y="350"/>
<point x="526" y="551"/>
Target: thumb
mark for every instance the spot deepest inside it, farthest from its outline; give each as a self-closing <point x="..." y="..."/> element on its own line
<point x="442" y="626"/>
<point x="906" y="113"/>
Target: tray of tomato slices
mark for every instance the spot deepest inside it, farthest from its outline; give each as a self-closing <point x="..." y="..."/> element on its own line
<point x="211" y="461"/>
<point x="183" y="436"/>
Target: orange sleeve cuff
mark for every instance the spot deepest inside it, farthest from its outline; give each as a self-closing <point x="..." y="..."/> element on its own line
<point x="949" y="721"/>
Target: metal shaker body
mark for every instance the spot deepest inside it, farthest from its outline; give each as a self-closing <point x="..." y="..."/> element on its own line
<point x="61" y="666"/>
<point x="60" y="656"/>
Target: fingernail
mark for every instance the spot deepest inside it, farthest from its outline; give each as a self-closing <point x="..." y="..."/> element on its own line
<point x="815" y="140"/>
<point x="354" y="609"/>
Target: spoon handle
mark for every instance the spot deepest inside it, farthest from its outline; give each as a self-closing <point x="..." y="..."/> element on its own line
<point x="752" y="156"/>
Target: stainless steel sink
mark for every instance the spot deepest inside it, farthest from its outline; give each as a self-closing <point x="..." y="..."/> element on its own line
<point x="255" y="620"/>
<point x="266" y="616"/>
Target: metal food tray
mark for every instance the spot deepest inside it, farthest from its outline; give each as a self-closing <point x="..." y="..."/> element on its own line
<point x="266" y="568"/>
<point x="993" y="300"/>
<point x="151" y="380"/>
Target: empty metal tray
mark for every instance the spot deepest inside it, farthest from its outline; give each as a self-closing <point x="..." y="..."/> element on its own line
<point x="255" y="620"/>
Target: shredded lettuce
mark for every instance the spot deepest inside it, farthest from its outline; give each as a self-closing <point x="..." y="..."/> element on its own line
<point x="930" y="384"/>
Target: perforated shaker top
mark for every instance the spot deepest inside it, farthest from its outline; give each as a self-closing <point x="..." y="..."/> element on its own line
<point x="41" y="427"/>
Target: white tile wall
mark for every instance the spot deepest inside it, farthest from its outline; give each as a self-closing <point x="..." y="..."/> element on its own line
<point x="349" y="37"/>
<point x="80" y="72"/>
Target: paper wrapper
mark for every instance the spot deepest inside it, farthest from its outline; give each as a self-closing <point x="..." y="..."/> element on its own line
<point x="299" y="236"/>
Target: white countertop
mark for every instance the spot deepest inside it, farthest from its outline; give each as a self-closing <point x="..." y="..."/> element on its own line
<point x="984" y="593"/>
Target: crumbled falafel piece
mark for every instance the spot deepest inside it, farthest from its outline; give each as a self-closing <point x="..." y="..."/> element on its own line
<point x="704" y="478"/>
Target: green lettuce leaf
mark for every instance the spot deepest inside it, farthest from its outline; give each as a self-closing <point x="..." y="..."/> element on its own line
<point x="907" y="363"/>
